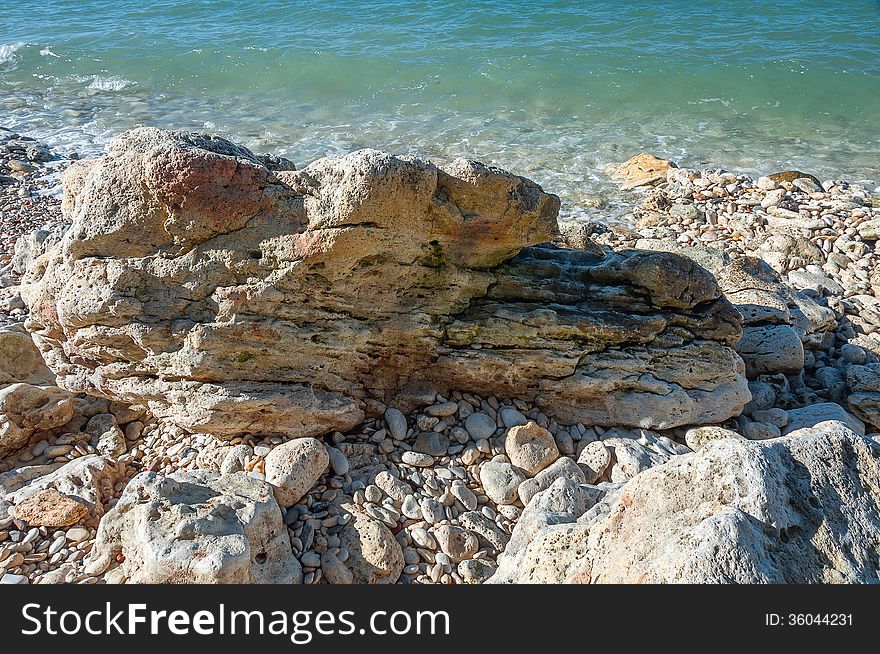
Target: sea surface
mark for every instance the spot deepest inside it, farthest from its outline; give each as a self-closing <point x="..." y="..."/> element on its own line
<point x="551" y="90"/>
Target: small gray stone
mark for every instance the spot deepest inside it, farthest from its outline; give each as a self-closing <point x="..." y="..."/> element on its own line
<point x="429" y="442"/>
<point x="511" y="417"/>
<point x="338" y="461"/>
<point x="476" y="571"/>
<point x="853" y="354"/>
<point x="310" y="559"/>
<point x="760" y="431"/>
<point x="432" y="510"/>
<point x="396" y="422"/>
<point x="417" y="459"/>
<point x="500" y="480"/>
<point x="442" y="410"/>
<point x="774" y="416"/>
<point x="479" y="426"/>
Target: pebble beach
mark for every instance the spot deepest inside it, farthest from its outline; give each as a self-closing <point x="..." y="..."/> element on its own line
<point x="448" y="479"/>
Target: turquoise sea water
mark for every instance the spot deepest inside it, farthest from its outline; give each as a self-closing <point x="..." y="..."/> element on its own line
<point x="551" y="90"/>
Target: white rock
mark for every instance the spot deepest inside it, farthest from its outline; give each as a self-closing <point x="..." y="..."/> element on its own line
<point x="198" y="527"/>
<point x="294" y="467"/>
<point x="464" y="494"/>
<point x="531" y="448"/>
<point x="562" y="467"/>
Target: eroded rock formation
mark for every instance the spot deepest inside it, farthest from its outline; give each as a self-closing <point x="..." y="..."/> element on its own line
<point x="231" y="297"/>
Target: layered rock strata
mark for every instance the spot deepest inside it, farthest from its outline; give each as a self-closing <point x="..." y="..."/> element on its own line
<point x="230" y="297"/>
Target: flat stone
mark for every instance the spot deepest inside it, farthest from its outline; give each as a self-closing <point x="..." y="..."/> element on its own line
<point x="49" y="508"/>
<point x="417" y="459"/>
<point x="442" y="410"/>
<point x="410" y="508"/>
<point x="77" y="534"/>
<point x="429" y="442"/>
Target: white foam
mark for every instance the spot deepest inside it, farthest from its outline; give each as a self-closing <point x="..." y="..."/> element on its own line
<point x="46" y="52"/>
<point x="7" y="51"/>
<point x="108" y="83"/>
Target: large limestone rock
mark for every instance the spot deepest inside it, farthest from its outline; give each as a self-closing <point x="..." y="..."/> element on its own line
<point x="198" y="527"/>
<point x="231" y="298"/>
<point x="800" y="509"/>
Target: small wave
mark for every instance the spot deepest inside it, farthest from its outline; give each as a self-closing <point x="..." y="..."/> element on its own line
<point x="99" y="83"/>
<point x="46" y="52"/>
<point x="7" y="51"/>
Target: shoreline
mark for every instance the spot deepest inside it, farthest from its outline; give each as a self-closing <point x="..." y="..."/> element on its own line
<point x="815" y="280"/>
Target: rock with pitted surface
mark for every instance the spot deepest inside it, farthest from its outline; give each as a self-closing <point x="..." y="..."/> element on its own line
<point x="198" y="527"/>
<point x="375" y="555"/>
<point x="26" y="409"/>
<point x="49" y="508"/>
<point x="89" y="480"/>
<point x="20" y="360"/>
<point x="864" y="386"/>
<point x="231" y="298"/>
<point x="800" y="509"/>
